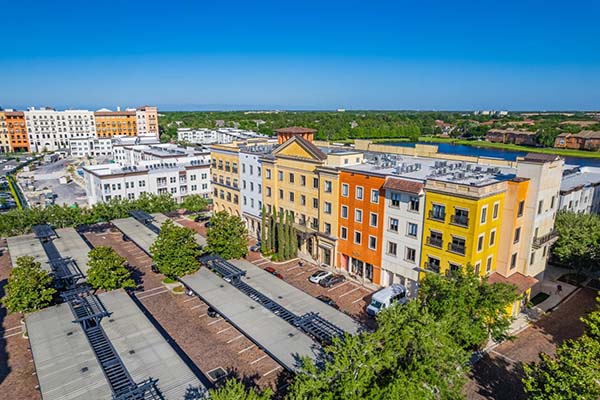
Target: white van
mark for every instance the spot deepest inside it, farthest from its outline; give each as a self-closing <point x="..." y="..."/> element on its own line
<point x="386" y="297"/>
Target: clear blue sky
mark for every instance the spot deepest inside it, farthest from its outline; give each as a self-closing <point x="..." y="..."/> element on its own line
<point x="321" y="54"/>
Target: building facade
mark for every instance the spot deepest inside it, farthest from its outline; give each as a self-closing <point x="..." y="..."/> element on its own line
<point x="115" y="123"/>
<point x="225" y="174"/>
<point x="17" y="131"/>
<point x="147" y="120"/>
<point x="51" y="130"/>
<point x="4" y="140"/>
<point x="251" y="187"/>
<point x="215" y="136"/>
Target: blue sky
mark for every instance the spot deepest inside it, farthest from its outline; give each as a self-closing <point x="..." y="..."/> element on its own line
<point x="442" y="55"/>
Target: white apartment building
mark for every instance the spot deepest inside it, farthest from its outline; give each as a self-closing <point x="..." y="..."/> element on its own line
<point x="51" y="130"/>
<point x="215" y="136"/>
<point x="403" y="232"/>
<point x="580" y="190"/>
<point x="94" y="147"/>
<point x="155" y="169"/>
<point x="251" y="186"/>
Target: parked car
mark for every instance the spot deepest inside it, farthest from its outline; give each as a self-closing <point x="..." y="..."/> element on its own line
<point x="328" y="300"/>
<point x="395" y="293"/>
<point x="332" y="280"/>
<point x="154" y="268"/>
<point x="319" y="275"/>
<point x="125" y="238"/>
<point x="202" y="218"/>
<point x="273" y="271"/>
<point x="255" y="248"/>
<point x="207" y="224"/>
<point x="211" y="312"/>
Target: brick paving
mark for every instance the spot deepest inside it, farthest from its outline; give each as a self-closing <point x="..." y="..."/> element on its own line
<point x="498" y="375"/>
<point x="17" y="372"/>
<point x="209" y="342"/>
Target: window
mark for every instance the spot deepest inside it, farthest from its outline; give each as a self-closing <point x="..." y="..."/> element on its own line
<point x="280" y="175"/>
<point x="268" y="191"/>
<point x="483" y="214"/>
<point x="344" y="232"/>
<point x="393" y="226"/>
<point x="477" y="268"/>
<point x="302" y="200"/>
<point x="410" y="254"/>
<point x="554" y="199"/>
<point x="492" y="238"/>
<point x="540" y="206"/>
<point x="302" y="180"/>
<point x="281" y="194"/>
<point x="374" y="196"/>
<point x="373" y="219"/>
<point x="372" y="242"/>
<point x="480" y="242"/>
<point x="495" y="210"/>
<point x="457" y="245"/>
<point x="327" y="208"/>
<point x="392" y="249"/>
<point x="316" y="183"/>
<point x="544" y="251"/>
<point x="395" y="199"/>
<point x="327" y="228"/>
<point x="345" y="189"/>
<point x="513" y="260"/>
<point x="517" y="235"/>
<point x="359" y="193"/>
<point x="438" y="212"/>
<point x="433" y="264"/>
<point x="268" y="173"/>
<point x="291" y="178"/>
<point x="521" y="208"/>
<point x="435" y="239"/>
<point x="243" y="168"/>
<point x="315" y="202"/>
<point x="454" y="267"/>
<point x="345" y="212"/>
<point x="412" y="229"/>
<point x="460" y="217"/>
<point x="358" y="215"/>
<point x="357" y="237"/>
<point x="292" y="197"/>
<point x="413" y="204"/>
<point x="488" y="265"/>
<point x="532" y="260"/>
<point x="328" y="187"/>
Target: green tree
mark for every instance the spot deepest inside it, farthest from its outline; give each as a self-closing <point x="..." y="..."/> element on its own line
<point x="195" y="203"/>
<point x="578" y="243"/>
<point x="473" y="309"/>
<point x="108" y="270"/>
<point x="235" y="390"/>
<point x="175" y="250"/>
<point x="227" y="236"/>
<point x="29" y="287"/>
<point x="273" y="230"/>
<point x="280" y="238"/>
<point x="264" y="232"/>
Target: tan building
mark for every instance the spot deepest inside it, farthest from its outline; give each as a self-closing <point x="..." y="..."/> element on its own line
<point x="115" y="123"/>
<point x="225" y="178"/>
<point x="4" y="140"/>
<point x="147" y="120"/>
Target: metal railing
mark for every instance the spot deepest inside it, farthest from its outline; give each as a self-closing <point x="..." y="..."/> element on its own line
<point x="437" y="216"/>
<point x="456" y="248"/>
<point x="541" y="240"/>
<point x="461" y="220"/>
<point x="435" y="242"/>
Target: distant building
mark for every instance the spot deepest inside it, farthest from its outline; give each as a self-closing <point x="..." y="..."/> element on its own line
<point x="580" y="190"/>
<point x="94" y="147"/>
<point x="147" y="120"/>
<point x="51" y="130"/>
<point x="4" y="140"/>
<point x="17" y="131"/>
<point x="115" y="123"/>
<point x="215" y="136"/>
<point x="584" y="140"/>
<point x="511" y="136"/>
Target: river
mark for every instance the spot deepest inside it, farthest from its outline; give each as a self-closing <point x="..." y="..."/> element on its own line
<point x="450" y="148"/>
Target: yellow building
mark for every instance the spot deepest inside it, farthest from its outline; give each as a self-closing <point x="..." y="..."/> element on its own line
<point x="225" y="173"/>
<point x="4" y="140"/>
<point x="115" y="123"/>
<point x="462" y="225"/>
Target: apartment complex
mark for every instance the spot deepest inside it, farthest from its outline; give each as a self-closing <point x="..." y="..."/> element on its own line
<point x="511" y="136"/>
<point x="580" y="190"/>
<point x="215" y="136"/>
<point x="46" y="129"/>
<point x="155" y="169"/>
<point x="390" y="218"/>
<point x="96" y="147"/>
<point x="584" y="140"/>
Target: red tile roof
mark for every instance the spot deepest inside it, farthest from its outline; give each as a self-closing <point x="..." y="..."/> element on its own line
<point x="403" y="185"/>
<point x="518" y="279"/>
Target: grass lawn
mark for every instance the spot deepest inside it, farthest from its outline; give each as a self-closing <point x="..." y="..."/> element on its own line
<point x="538" y="298"/>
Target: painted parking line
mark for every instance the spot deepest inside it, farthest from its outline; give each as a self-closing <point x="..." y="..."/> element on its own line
<point x="152" y="294"/>
<point x="350" y="291"/>
<point x="198" y="306"/>
<point x="224" y="330"/>
<point x="235" y="338"/>
<point x="293" y="268"/>
<point x="338" y="286"/>
<point x="503" y="356"/>
<point x="304" y="271"/>
<point x="151" y="290"/>
<point x="357" y="300"/>
<point x="258" y="359"/>
<point x="215" y="321"/>
<point x="202" y="315"/>
<point x="191" y="299"/>
<point x="246" y="349"/>
<point x="13" y="328"/>
<point x="271" y="371"/>
<point x="12" y="334"/>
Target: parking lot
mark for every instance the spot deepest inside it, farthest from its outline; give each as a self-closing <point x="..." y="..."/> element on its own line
<point x="498" y="375"/>
<point x="210" y="343"/>
<point x="17" y="374"/>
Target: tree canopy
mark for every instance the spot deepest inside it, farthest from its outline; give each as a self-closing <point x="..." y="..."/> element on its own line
<point x="195" y="203"/>
<point x="227" y="236"/>
<point x="578" y="243"/>
<point x="108" y="270"/>
<point x="29" y="287"/>
<point x="175" y="250"/>
<point x="235" y="390"/>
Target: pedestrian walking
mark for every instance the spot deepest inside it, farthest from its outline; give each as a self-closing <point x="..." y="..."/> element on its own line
<point x="558" y="289"/>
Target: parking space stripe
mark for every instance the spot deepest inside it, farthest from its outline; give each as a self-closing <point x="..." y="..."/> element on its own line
<point x="154" y="288"/>
<point x="152" y="294"/>
<point x="199" y="305"/>
<point x="201" y="315"/>
<point x="258" y="359"/>
<point x="12" y="334"/>
<point x="271" y="371"/>
<point x="357" y="300"/>
<point x="224" y="330"/>
<point x="235" y="338"/>
<point x="13" y="328"/>
<point x="351" y="291"/>
<point x="246" y="349"/>
<point x="338" y="286"/>
<point x="215" y="321"/>
<point x="191" y="299"/>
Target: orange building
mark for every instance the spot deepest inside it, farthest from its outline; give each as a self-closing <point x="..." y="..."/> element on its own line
<point x="361" y="220"/>
<point x="17" y="130"/>
<point x="115" y="123"/>
<point x="284" y="134"/>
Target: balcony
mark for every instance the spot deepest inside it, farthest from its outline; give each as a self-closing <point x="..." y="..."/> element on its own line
<point x="460" y="220"/>
<point x="434" y="242"/>
<point x="457" y="248"/>
<point x="433" y="267"/>
<point x="547" y="238"/>
<point x="436" y="216"/>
